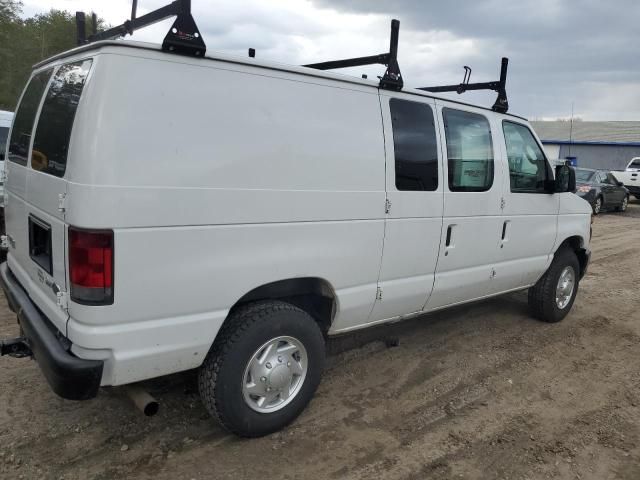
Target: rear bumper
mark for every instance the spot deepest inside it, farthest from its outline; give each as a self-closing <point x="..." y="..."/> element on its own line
<point x="69" y="376"/>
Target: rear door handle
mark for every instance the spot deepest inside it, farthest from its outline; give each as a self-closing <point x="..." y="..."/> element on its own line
<point x="505" y="233"/>
<point x="449" y="240"/>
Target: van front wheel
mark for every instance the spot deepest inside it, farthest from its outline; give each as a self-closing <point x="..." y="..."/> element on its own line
<point x="263" y="368"/>
<point x="551" y="298"/>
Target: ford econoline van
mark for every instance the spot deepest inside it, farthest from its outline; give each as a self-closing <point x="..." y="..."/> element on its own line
<point x="167" y="212"/>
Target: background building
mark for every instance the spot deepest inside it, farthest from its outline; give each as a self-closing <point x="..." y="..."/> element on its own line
<point x="606" y="145"/>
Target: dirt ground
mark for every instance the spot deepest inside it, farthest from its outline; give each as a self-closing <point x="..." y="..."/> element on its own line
<point x="478" y="392"/>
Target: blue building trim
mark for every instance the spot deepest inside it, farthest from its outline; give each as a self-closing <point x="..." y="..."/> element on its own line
<point x="581" y="142"/>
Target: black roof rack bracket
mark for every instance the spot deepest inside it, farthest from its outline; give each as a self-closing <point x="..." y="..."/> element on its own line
<point x="183" y="36"/>
<point x="392" y="79"/>
<point x="501" y="104"/>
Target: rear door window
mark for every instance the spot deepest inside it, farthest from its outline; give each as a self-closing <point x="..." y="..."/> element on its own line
<point x="415" y="146"/>
<point x="25" y="117"/>
<point x="51" y="142"/>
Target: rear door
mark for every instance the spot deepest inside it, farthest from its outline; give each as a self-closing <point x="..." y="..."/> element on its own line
<point x="617" y="192"/>
<point x="35" y="211"/>
<point x="414" y="184"/>
<point x="606" y="189"/>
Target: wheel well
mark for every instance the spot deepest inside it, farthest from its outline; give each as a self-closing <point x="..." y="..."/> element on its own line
<point x="311" y="294"/>
<point x="576" y="244"/>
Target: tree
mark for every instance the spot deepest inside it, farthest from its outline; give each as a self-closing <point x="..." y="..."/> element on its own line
<point x="26" y="42"/>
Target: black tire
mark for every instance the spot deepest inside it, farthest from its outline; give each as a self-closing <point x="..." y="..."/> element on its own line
<point x="623" y="205"/>
<point x="220" y="377"/>
<point x="597" y="210"/>
<point x="542" y="296"/>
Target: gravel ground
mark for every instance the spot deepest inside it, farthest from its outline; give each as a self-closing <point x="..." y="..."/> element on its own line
<point x="477" y="392"/>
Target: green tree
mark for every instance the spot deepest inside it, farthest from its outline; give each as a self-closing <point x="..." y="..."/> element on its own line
<point x="26" y="42"/>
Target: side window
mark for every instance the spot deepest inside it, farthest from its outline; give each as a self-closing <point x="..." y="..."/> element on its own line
<point x="469" y="151"/>
<point x="415" y="146"/>
<point x="51" y="142"/>
<point x="528" y="167"/>
<point x="611" y="179"/>
<point x="25" y="116"/>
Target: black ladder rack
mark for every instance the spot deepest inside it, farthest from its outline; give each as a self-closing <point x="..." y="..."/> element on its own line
<point x="392" y="78"/>
<point x="183" y="36"/>
<point x="501" y="104"/>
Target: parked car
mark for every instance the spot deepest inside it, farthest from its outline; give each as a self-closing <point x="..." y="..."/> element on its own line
<point x="602" y="190"/>
<point x="228" y="214"/>
<point x="630" y="177"/>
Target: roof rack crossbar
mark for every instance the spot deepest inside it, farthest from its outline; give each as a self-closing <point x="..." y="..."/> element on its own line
<point x="392" y="78"/>
<point x="183" y="36"/>
<point x="501" y="104"/>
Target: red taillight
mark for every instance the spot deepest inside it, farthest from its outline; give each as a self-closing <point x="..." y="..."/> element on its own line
<point x="91" y="266"/>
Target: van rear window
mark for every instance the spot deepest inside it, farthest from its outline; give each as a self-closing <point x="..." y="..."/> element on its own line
<point x="51" y="142"/>
<point x="25" y="116"/>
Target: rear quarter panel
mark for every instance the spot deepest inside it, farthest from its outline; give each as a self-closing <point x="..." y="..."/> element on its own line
<point x="218" y="178"/>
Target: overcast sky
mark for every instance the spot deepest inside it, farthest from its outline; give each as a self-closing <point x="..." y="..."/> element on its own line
<point x="561" y="52"/>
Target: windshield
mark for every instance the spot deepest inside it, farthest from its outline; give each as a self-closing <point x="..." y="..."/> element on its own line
<point x="584" y="176"/>
<point x="635" y="164"/>
<point x="4" y="132"/>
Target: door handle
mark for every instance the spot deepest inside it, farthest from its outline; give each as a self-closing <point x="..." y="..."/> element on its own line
<point x="448" y="243"/>
<point x="505" y="230"/>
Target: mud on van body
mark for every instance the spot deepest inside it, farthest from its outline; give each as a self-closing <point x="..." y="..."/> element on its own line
<point x="168" y="213"/>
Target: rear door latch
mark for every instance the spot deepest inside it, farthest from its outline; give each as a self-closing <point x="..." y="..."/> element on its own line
<point x="61" y="202"/>
<point x="62" y="300"/>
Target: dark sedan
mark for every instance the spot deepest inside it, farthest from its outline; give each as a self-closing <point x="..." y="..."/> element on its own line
<point x="601" y="189"/>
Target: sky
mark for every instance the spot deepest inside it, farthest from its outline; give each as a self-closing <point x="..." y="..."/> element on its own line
<point x="563" y="54"/>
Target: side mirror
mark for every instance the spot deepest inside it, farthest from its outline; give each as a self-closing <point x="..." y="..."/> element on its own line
<point x="620" y="184"/>
<point x="565" y="179"/>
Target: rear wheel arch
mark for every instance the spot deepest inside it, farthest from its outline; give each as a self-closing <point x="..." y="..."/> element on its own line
<point x="314" y="295"/>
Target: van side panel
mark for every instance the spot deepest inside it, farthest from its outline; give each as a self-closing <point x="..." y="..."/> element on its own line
<point x="219" y="178"/>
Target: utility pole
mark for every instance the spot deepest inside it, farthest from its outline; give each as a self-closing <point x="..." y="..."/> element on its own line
<point x="571" y="130"/>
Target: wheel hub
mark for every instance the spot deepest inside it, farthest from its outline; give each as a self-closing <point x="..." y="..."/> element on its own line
<point x="274" y="374"/>
<point x="279" y="377"/>
<point x="565" y="287"/>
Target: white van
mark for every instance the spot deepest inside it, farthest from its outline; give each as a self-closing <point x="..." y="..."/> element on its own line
<point x="171" y="212"/>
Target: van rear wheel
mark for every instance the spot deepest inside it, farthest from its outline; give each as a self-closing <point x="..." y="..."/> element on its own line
<point x="263" y="368"/>
<point x="551" y="298"/>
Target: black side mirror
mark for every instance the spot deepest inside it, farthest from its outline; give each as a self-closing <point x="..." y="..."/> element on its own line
<point x="620" y="184"/>
<point x="565" y="179"/>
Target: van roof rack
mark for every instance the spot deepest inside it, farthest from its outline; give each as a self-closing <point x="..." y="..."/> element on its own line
<point x="183" y="37"/>
<point x="392" y="78"/>
<point x="501" y="105"/>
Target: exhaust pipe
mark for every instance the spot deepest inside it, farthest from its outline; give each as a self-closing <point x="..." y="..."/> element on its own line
<point x="142" y="400"/>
